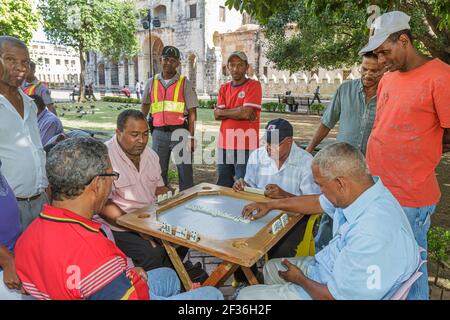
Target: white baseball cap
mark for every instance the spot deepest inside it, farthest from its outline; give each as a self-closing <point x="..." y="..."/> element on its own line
<point x="384" y="26"/>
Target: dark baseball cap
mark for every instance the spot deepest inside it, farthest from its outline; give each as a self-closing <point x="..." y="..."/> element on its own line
<point x="170" y="52"/>
<point x="280" y="128"/>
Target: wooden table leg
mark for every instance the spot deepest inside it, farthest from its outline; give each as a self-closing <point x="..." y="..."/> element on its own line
<point x="250" y="275"/>
<point x="221" y="274"/>
<point x="178" y="265"/>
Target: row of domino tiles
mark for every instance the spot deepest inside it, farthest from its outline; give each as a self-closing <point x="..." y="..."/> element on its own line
<point x="216" y="213"/>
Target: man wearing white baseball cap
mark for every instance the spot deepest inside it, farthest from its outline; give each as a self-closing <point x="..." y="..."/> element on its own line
<point x="411" y="125"/>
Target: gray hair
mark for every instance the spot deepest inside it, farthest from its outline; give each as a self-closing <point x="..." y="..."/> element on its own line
<point x="341" y="159"/>
<point x="73" y="163"/>
<point x="12" y="41"/>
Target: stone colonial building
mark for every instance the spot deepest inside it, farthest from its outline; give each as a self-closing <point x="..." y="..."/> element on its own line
<point x="206" y="32"/>
<point x="187" y="24"/>
<point x="55" y="64"/>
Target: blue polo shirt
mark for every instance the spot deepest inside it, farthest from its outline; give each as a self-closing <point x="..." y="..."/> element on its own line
<point x="9" y="215"/>
<point x="49" y="126"/>
<point x="373" y="250"/>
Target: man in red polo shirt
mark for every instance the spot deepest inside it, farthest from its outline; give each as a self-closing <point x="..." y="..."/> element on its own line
<point x="238" y="107"/>
<point x="73" y="259"/>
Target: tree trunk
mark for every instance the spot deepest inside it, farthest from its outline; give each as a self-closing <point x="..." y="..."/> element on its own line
<point x="82" y="97"/>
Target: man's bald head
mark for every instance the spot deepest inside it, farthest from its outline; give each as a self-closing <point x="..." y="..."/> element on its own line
<point x="4" y="40"/>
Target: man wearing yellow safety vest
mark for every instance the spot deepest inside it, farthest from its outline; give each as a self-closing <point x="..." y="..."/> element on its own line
<point x="172" y="103"/>
<point x="32" y="86"/>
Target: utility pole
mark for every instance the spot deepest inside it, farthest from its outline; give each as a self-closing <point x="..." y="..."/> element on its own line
<point x="149" y="23"/>
<point x="150" y="41"/>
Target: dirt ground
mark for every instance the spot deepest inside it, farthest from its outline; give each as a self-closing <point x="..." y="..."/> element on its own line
<point x="304" y="128"/>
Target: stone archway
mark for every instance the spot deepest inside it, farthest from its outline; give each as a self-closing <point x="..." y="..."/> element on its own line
<point x="101" y="74"/>
<point x="114" y="74"/>
<point x="126" y="72"/>
<point x="136" y="68"/>
<point x="157" y="51"/>
<point x="157" y="47"/>
<point x="192" y="69"/>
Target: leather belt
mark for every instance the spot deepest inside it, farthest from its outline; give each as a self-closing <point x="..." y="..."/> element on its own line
<point x="169" y="128"/>
<point x="30" y="198"/>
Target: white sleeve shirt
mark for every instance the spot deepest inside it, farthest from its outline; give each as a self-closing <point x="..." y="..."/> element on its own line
<point x="294" y="176"/>
<point x="21" y="150"/>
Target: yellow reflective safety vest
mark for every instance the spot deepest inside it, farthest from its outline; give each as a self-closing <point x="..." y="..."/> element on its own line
<point x="168" y="104"/>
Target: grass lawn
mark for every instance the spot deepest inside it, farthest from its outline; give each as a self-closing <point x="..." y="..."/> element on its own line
<point x="105" y="116"/>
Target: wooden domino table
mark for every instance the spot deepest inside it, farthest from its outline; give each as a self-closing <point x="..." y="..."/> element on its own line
<point x="236" y="243"/>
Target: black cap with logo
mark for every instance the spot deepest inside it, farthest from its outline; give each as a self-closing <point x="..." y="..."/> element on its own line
<point x="278" y="127"/>
<point x="170" y="52"/>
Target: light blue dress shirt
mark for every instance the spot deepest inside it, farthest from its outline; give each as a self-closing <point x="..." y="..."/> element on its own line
<point x="373" y="250"/>
<point x="294" y="176"/>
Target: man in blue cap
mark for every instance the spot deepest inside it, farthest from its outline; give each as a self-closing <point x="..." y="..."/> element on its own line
<point x="282" y="170"/>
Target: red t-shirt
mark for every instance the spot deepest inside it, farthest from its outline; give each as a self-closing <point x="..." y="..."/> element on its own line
<point x="405" y="145"/>
<point x="240" y="134"/>
<point x="64" y="256"/>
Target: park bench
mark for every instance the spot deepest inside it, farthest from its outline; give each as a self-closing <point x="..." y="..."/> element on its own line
<point x="299" y="103"/>
<point x="73" y="94"/>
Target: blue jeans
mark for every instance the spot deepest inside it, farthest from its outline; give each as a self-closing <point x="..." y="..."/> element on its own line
<point x="165" y="285"/>
<point x="420" y="220"/>
<point x="231" y="164"/>
<point x="325" y="232"/>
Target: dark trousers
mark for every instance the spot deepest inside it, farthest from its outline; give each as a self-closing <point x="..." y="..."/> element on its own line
<point x="293" y="107"/>
<point x="142" y="252"/>
<point x="231" y="165"/>
<point x="316" y="96"/>
<point x="163" y="145"/>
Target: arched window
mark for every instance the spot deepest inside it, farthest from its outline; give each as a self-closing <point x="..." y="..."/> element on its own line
<point x="160" y="12"/>
<point x="114" y="74"/>
<point x="101" y="74"/>
<point x="126" y="73"/>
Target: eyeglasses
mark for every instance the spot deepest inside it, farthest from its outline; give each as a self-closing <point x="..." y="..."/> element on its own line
<point x="113" y="174"/>
<point x="275" y="146"/>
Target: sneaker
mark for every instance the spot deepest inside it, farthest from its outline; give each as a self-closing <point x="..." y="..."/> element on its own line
<point x="196" y="271"/>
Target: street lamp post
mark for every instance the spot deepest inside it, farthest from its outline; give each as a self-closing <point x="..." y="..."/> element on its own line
<point x="151" y="46"/>
<point x="149" y="23"/>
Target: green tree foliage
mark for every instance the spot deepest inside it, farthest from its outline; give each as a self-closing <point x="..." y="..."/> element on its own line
<point x="307" y="34"/>
<point x="17" y="19"/>
<point x="106" y="26"/>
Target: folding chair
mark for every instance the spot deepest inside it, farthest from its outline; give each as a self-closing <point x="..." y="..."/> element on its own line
<point x="404" y="289"/>
<point x="306" y="247"/>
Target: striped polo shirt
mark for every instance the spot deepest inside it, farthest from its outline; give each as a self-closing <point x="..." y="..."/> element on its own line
<point x="64" y="256"/>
